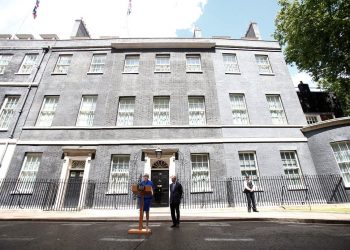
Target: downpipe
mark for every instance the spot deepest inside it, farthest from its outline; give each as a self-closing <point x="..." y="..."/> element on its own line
<point x="45" y="50"/>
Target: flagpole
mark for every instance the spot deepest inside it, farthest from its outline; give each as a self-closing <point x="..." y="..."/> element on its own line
<point x="127" y="18"/>
<point x="127" y="26"/>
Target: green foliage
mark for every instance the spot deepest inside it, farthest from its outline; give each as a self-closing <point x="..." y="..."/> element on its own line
<point x="316" y="36"/>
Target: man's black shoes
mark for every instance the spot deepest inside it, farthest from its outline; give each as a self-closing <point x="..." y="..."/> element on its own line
<point x="173" y="225"/>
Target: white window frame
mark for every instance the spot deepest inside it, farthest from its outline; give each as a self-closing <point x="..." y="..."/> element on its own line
<point x="193" y="67"/>
<point x="126" y="111"/>
<point x="231" y="66"/>
<point x="6" y="114"/>
<point x="28" y="64"/>
<point x="129" y="67"/>
<point x="312" y="119"/>
<point x="239" y="109"/>
<point x="276" y="110"/>
<point x="82" y="113"/>
<point x="247" y="168"/>
<point x="119" y="184"/>
<point x="341" y="151"/>
<point x="160" y="66"/>
<point x="63" y="63"/>
<point x="264" y="65"/>
<point x="25" y="184"/>
<point x="196" y="111"/>
<point x="291" y="164"/>
<point x="157" y="111"/>
<point x="100" y="64"/>
<point x="48" y="111"/>
<point x="4" y="62"/>
<point x="198" y="184"/>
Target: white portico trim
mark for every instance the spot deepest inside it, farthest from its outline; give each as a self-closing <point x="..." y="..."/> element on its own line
<point x="168" y="155"/>
<point x="71" y="154"/>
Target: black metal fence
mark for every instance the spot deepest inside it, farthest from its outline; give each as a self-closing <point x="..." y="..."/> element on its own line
<point x="270" y="191"/>
<point x="93" y="194"/>
<point x="66" y="195"/>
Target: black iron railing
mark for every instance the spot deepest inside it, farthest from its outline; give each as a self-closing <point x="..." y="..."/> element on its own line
<point x="97" y="194"/>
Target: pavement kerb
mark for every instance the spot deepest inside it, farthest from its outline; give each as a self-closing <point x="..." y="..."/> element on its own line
<point x="133" y="220"/>
<point x="187" y="215"/>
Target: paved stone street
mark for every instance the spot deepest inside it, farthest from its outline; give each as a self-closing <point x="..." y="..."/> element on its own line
<point x="190" y="235"/>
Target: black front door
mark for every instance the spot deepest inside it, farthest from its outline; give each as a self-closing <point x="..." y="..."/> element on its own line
<point x="74" y="183"/>
<point x="160" y="179"/>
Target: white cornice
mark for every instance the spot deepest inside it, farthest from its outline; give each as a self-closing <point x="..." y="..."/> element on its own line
<point x="163" y="141"/>
<point x="10" y="141"/>
<point x="327" y="124"/>
<point x="159" y="127"/>
<point x="18" y="84"/>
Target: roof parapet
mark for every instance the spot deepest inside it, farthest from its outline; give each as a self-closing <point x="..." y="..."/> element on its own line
<point x="49" y="36"/>
<point x="109" y="37"/>
<point x="221" y="37"/>
<point x="203" y="44"/>
<point x="24" y="36"/>
<point x="5" y="36"/>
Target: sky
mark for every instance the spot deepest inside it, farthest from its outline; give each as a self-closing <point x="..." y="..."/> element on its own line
<point x="148" y="18"/>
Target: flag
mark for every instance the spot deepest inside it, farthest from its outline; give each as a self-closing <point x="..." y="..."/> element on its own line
<point x="35" y="8"/>
<point x="129" y="8"/>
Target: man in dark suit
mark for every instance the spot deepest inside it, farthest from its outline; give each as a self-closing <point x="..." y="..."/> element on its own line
<point x="175" y="199"/>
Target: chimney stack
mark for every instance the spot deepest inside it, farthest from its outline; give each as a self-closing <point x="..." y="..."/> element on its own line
<point x="304" y="87"/>
<point x="80" y="30"/>
<point x="197" y="33"/>
<point x="253" y="32"/>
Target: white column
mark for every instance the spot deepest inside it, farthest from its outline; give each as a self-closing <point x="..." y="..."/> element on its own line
<point x="84" y="183"/>
<point x="7" y="152"/>
<point x="62" y="181"/>
<point x="171" y="167"/>
<point x="64" y="168"/>
<point x="147" y="168"/>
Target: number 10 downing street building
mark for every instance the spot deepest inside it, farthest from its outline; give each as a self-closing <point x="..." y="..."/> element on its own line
<point x="82" y="118"/>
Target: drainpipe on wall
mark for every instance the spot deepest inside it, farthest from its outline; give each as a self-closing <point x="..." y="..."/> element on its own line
<point x="3" y="153"/>
<point x="45" y="50"/>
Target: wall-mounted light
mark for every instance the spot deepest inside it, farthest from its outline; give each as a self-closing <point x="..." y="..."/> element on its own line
<point x="158" y="153"/>
<point x="63" y="155"/>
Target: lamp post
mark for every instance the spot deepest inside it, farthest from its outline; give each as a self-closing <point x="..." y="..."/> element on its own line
<point x="158" y="152"/>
